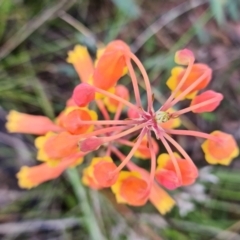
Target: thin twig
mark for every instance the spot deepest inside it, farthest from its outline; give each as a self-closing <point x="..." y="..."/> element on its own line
<point x="16" y="228"/>
<point x="164" y="20"/>
<point x="80" y="27"/>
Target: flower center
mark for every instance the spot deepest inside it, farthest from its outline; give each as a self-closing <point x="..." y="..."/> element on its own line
<point x="161" y="116"/>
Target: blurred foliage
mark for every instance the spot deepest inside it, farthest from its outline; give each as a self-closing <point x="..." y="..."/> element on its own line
<point x="34" y="78"/>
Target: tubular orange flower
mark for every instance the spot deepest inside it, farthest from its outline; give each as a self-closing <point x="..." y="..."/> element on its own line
<point x="112" y="104"/>
<point x="110" y="66"/>
<point x="25" y="123"/>
<point x="102" y="171"/>
<point x="221" y="150"/>
<point x="81" y="61"/>
<point x="183" y="171"/>
<point x="156" y="195"/>
<point x="29" y="177"/>
<point x="131" y="188"/>
<point x="166" y="174"/>
<point x="53" y="147"/>
<point x="214" y="99"/>
<point x="197" y="71"/>
<point x="80" y="128"/>
<point x="88" y="179"/>
<point x="72" y="121"/>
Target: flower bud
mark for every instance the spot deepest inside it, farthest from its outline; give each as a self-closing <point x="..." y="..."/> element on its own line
<point x="184" y="56"/>
<point x="83" y="94"/>
<point x="90" y="144"/>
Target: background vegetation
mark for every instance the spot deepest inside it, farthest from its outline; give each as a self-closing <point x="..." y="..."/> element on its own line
<point x="34" y="78"/>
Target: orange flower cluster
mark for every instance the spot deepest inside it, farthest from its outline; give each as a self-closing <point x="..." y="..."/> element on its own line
<point x="63" y="143"/>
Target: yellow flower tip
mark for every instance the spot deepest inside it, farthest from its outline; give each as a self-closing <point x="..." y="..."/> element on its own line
<point x="161" y="199"/>
<point x="88" y="180"/>
<point x="222" y="151"/>
<point x="13" y="120"/>
<point x="79" y="53"/>
<point x="41" y="154"/>
<point x="163" y="159"/>
<point x="78" y="162"/>
<point x="184" y="57"/>
<point x="81" y="61"/>
<point x="124" y="192"/>
<point x="166" y="206"/>
<point x="23" y="178"/>
<point x="26" y="123"/>
<point x="173" y="81"/>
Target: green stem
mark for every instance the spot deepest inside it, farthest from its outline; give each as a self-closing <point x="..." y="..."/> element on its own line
<point x="89" y="218"/>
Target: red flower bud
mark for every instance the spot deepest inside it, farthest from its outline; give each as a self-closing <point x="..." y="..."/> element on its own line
<point x="90" y="144"/>
<point x="83" y="94"/>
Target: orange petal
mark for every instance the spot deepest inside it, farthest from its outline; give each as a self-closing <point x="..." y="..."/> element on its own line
<point x="197" y="71"/>
<point x="168" y="179"/>
<point x="161" y="199"/>
<point x="72" y="122"/>
<point x="81" y="61"/>
<point x="91" y="176"/>
<point x="110" y="66"/>
<point x="143" y="152"/>
<point x="25" y="123"/>
<point x="55" y="147"/>
<point x="222" y="151"/>
<point x="103" y="173"/>
<point x="88" y="179"/>
<point x="29" y="177"/>
<point x="130" y="188"/>
<point x="166" y="173"/>
<point x="134" y="191"/>
<point x="112" y="104"/>
<point x="158" y="197"/>
<point x="207" y="95"/>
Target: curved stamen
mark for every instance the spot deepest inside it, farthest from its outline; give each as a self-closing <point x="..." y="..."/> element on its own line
<point x="114" y="96"/>
<point x="153" y="160"/>
<point x="191" y="133"/>
<point x="103" y="109"/>
<point x="145" y="78"/>
<point x="196" y="106"/>
<point x="119" y="111"/>
<point x="189" y="89"/>
<point x="133" y="150"/>
<point x="122" y="134"/>
<point x="179" y="148"/>
<point x="110" y="122"/>
<point x="134" y="82"/>
<point x="102" y="131"/>
<point x="173" y="158"/>
<point x="183" y="80"/>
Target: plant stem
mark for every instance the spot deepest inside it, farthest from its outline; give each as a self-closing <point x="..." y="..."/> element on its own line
<point x="89" y="217"/>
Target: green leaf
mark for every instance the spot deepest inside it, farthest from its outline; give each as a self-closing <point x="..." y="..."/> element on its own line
<point x="210" y="117"/>
<point x="5" y="7"/>
<point x="128" y="7"/>
<point x="217" y="7"/>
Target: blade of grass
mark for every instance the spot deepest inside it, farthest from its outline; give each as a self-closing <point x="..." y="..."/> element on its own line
<point x="32" y="25"/>
<point x="89" y="218"/>
<point x="163" y="21"/>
